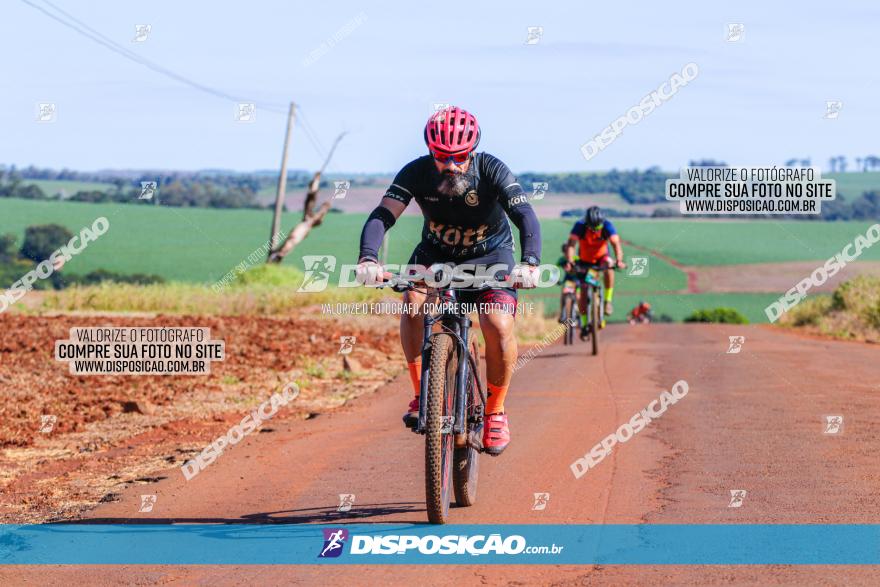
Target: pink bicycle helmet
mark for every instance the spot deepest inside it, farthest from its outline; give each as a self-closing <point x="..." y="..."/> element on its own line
<point x="452" y="131"/>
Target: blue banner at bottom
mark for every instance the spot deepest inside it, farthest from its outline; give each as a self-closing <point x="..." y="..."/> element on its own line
<point x="243" y="544"/>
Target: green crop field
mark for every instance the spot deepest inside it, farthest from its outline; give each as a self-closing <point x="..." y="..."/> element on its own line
<point x="852" y="185"/>
<point x="201" y="245"/>
<point x="723" y="242"/>
<point x="675" y="306"/>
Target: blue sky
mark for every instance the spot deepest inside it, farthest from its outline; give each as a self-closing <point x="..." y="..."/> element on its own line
<point x="759" y="101"/>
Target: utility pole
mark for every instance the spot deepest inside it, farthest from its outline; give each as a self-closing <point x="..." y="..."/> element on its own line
<point x="282" y="182"/>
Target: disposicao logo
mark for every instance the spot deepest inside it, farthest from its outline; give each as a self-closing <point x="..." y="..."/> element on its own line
<point x="334" y="540"/>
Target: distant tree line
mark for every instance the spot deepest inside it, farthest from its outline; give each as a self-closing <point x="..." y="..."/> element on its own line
<point x="636" y="187"/>
<point x="180" y="189"/>
<point x="256" y="180"/>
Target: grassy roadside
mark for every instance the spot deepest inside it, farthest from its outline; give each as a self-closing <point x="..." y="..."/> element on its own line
<point x="852" y="312"/>
<point x="262" y="291"/>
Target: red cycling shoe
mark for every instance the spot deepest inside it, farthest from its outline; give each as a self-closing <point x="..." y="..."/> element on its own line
<point x="411" y="417"/>
<point x="496" y="434"/>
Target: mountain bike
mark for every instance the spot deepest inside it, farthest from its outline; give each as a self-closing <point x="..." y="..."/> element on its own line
<point x="452" y="401"/>
<point x="569" y="315"/>
<point x="594" y="286"/>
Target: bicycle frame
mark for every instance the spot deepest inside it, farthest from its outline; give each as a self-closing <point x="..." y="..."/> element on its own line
<point x="458" y="325"/>
<point x="590" y="281"/>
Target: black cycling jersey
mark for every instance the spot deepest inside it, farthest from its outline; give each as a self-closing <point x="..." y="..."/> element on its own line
<point x="462" y="227"/>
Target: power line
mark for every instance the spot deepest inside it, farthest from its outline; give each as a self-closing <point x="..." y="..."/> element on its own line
<point x="103" y="40"/>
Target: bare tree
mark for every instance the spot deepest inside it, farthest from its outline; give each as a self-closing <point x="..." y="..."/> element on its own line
<point x="311" y="216"/>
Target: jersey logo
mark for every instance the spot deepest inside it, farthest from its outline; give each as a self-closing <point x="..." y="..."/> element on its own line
<point x="457" y="235"/>
<point x="471" y="198"/>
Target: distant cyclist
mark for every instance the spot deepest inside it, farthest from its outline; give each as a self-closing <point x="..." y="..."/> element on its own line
<point x="641" y="313"/>
<point x="591" y="236"/>
<point x="466" y="199"/>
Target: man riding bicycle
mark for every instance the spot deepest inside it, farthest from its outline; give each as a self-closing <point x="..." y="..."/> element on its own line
<point x="466" y="199"/>
<point x="591" y="237"/>
<point x="641" y="313"/>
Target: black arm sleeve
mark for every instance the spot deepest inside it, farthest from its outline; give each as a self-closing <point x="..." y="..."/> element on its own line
<point x="379" y="221"/>
<point x="526" y="221"/>
<point x="516" y="205"/>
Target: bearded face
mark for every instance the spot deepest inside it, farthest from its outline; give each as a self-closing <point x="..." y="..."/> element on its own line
<point x="452" y="182"/>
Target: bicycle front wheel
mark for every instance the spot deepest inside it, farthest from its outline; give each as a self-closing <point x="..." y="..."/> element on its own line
<point x="568" y="313"/>
<point x="595" y="319"/>
<point x="439" y="440"/>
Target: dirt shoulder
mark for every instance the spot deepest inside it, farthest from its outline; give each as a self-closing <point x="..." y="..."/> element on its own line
<point x="112" y="432"/>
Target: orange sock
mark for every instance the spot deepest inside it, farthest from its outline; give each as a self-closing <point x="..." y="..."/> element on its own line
<point x="495" y="400"/>
<point x="415" y="374"/>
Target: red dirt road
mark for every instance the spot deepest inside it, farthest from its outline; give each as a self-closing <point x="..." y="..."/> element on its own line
<point x="752" y="421"/>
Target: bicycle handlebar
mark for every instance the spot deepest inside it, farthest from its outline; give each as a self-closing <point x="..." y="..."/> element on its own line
<point x="399" y="284"/>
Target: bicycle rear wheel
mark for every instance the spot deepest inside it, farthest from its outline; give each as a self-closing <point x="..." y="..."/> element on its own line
<point x="438" y="430"/>
<point x="466" y="459"/>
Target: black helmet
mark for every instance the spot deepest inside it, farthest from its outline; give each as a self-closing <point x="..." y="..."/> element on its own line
<point x="594" y="216"/>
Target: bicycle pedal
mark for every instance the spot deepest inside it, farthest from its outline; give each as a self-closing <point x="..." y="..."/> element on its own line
<point x="475" y="439"/>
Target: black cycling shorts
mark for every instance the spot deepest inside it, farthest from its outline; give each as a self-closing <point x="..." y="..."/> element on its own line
<point x="501" y="299"/>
